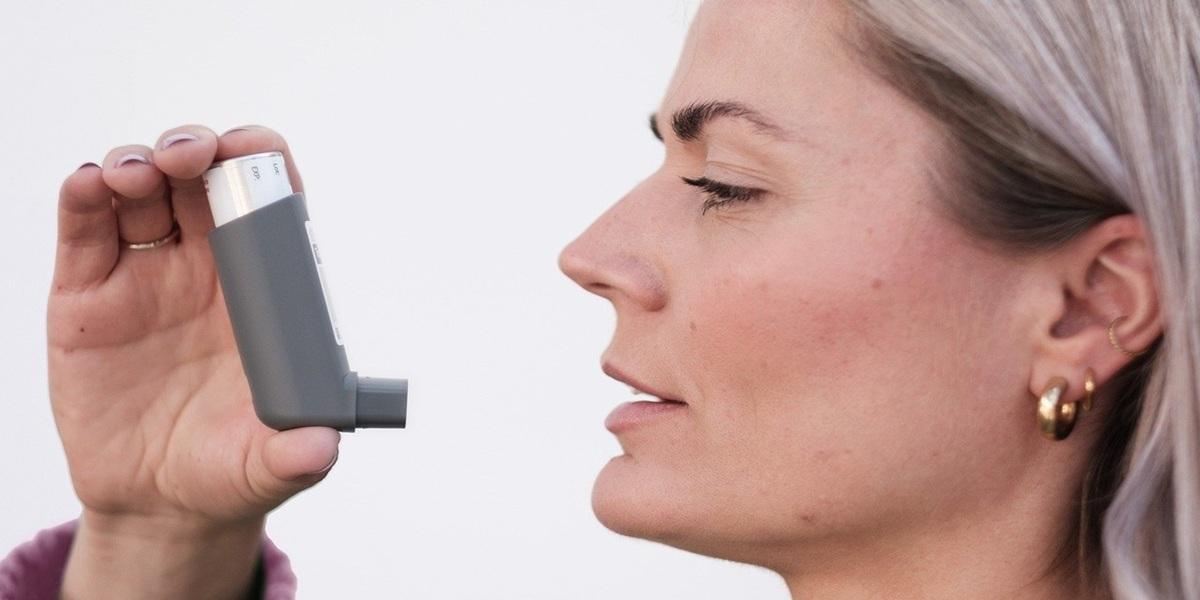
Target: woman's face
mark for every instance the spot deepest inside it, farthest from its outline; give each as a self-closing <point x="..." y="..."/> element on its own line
<point x="846" y="355"/>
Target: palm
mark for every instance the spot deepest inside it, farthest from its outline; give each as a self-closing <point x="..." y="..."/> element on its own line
<point x="146" y="383"/>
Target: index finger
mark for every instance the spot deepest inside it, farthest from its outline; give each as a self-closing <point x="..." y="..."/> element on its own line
<point x="255" y="139"/>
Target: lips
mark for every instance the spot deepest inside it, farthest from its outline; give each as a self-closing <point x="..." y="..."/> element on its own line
<point x="637" y="386"/>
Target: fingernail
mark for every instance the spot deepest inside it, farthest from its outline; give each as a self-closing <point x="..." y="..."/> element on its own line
<point x="128" y="158"/>
<point x="327" y="467"/>
<point x="86" y="165"/>
<point x="178" y="137"/>
<point x="237" y="129"/>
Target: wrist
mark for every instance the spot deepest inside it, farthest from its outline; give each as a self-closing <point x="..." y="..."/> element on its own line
<point x="144" y="556"/>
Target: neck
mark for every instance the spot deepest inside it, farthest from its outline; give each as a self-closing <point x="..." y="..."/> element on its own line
<point x="999" y="566"/>
<point x="1003" y="548"/>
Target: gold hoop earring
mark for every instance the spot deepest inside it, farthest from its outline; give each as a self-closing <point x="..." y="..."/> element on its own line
<point x="1055" y="418"/>
<point x="1089" y="388"/>
<point x="1112" y="338"/>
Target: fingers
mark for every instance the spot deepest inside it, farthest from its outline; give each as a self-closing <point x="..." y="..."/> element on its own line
<point x="295" y="459"/>
<point x="183" y="154"/>
<point x="139" y="190"/>
<point x="254" y="139"/>
<point x="87" y="231"/>
<point x="143" y="209"/>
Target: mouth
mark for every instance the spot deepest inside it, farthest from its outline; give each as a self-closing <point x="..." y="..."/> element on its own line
<point x="642" y="391"/>
<point x="653" y="408"/>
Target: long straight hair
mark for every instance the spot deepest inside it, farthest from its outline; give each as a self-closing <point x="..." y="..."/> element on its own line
<point x="1061" y="114"/>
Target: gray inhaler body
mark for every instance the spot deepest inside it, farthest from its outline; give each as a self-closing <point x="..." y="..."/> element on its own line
<point x="286" y="330"/>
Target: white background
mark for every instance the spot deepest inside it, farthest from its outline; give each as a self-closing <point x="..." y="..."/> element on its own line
<point x="449" y="150"/>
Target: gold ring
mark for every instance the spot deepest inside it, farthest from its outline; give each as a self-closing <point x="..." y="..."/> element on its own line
<point x="1089" y="388"/>
<point x="1112" y="338"/>
<point x="162" y="241"/>
<point x="1056" y="418"/>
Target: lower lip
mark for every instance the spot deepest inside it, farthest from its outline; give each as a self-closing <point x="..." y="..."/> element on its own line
<point x="633" y="414"/>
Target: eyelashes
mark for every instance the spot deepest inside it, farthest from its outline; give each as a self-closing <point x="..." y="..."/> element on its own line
<point x="722" y="194"/>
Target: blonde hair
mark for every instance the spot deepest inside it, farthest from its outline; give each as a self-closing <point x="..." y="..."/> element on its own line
<point x="1063" y="113"/>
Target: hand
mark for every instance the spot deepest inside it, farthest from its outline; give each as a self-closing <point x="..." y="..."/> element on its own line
<point x="146" y="384"/>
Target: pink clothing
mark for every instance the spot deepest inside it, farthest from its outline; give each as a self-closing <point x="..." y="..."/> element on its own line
<point x="34" y="570"/>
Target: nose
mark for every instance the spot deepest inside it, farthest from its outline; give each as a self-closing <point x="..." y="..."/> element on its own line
<point x="608" y="260"/>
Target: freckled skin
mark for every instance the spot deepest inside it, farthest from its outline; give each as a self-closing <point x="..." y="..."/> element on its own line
<point x="820" y="400"/>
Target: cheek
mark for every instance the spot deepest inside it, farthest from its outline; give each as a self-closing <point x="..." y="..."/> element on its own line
<point x="821" y="368"/>
<point x="799" y="319"/>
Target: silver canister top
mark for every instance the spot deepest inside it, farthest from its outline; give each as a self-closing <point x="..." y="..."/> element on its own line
<point x="241" y="185"/>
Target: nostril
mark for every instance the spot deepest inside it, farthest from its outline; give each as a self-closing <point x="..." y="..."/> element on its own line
<point x="600" y="289"/>
<point x="611" y="272"/>
<point x="582" y="271"/>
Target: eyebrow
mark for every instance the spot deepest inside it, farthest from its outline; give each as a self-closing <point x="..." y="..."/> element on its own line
<point x="688" y="123"/>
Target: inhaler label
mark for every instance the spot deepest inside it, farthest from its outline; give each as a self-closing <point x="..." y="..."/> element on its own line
<point x="312" y="243"/>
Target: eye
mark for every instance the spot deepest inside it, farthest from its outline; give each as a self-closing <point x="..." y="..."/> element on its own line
<point x="722" y="194"/>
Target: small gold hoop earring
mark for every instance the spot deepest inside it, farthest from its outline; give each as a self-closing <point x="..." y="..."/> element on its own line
<point x="1055" y="418"/>
<point x="1112" y="338"/>
<point x="1089" y="388"/>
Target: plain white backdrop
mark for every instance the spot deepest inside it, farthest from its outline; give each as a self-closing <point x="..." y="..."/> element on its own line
<point x="449" y="151"/>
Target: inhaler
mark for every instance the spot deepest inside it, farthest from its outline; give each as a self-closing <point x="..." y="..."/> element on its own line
<point x="272" y="277"/>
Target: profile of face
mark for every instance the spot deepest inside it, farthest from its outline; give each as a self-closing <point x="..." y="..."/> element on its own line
<point x="844" y="353"/>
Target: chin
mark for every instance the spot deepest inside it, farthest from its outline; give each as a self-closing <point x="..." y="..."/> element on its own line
<point x="642" y="499"/>
<point x="634" y="500"/>
<point x="651" y="501"/>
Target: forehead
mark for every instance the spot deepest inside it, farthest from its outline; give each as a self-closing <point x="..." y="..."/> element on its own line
<point x="785" y="58"/>
<point x="791" y="61"/>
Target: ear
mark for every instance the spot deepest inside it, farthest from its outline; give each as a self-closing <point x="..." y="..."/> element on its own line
<point x="1105" y="273"/>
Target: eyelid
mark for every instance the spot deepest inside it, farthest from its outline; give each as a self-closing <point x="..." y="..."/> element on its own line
<point x="721" y="194"/>
<point x="719" y="187"/>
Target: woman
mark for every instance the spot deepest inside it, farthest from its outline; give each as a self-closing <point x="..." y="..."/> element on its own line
<point x="917" y="282"/>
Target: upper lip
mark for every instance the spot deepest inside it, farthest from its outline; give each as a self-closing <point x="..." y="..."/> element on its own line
<point x="616" y="373"/>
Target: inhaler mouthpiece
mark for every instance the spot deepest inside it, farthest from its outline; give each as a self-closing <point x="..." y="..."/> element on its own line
<point x="273" y="281"/>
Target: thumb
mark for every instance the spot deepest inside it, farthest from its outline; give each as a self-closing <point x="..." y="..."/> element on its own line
<point x="295" y="459"/>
